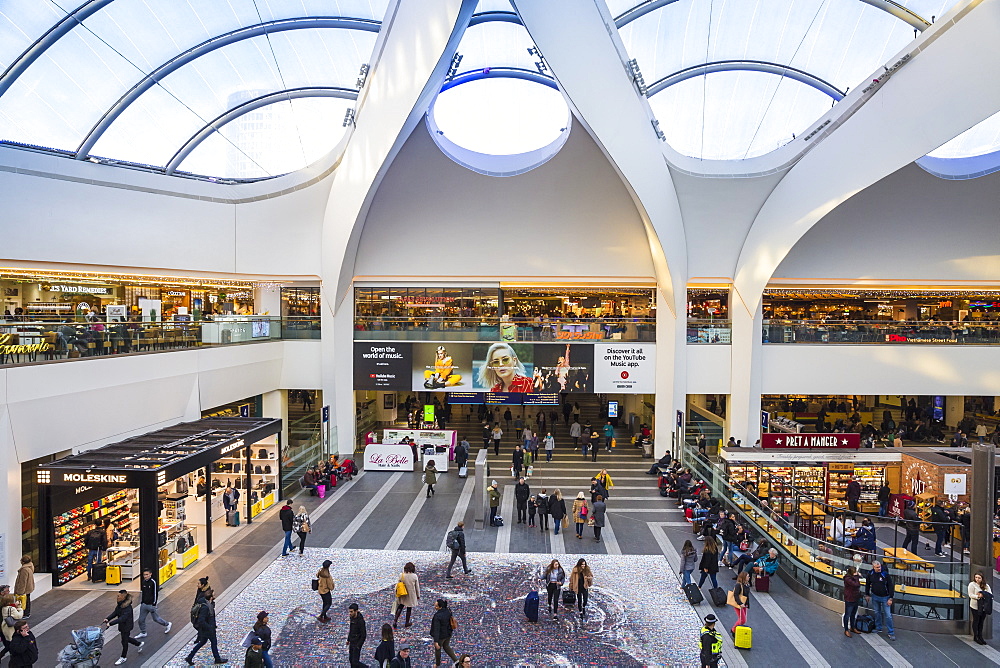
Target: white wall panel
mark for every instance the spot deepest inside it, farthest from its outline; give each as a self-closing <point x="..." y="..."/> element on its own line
<point x="69" y="222"/>
<point x="231" y="373"/>
<point x="708" y="369"/>
<point x="880" y="369"/>
<point x="570" y="217"/>
<point x="909" y="225"/>
<point x="301" y="366"/>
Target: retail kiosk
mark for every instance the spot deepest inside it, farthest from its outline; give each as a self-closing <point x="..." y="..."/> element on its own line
<point x="822" y="472"/>
<point x="160" y="493"/>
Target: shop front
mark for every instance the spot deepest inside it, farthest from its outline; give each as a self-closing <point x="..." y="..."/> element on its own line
<point x="820" y="473"/>
<point x="158" y="497"/>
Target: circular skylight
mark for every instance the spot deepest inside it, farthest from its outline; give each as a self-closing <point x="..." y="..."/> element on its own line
<point x="501" y="116"/>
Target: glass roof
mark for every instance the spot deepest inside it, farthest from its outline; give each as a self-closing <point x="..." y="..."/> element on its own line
<point x="60" y="99"/>
<point x="737" y="111"/>
<point x="978" y="140"/>
<point x="499" y="102"/>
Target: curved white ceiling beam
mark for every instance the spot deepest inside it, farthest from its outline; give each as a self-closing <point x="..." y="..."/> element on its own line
<point x="589" y="69"/>
<point x="934" y="97"/>
<point x="406" y="76"/>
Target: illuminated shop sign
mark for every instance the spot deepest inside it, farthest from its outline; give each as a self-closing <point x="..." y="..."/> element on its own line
<point x="79" y="289"/>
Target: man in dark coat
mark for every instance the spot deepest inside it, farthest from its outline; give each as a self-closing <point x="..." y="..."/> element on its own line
<point x="122" y="618"/>
<point x="521" y="493"/>
<point x="287" y="516"/>
<point x="853" y="494"/>
<point x="456" y="543"/>
<point x="22" y="645"/>
<point x="356" y="636"/>
<point x="204" y="624"/>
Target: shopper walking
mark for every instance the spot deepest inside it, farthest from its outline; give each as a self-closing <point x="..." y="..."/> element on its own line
<point x="605" y="479"/>
<point x="263" y="631"/>
<point x="442" y="628"/>
<point x="585" y="442"/>
<point x="497" y="434"/>
<point x="710" y="642"/>
<point x="852" y="599"/>
<point x="609" y="435"/>
<point x="231" y="502"/>
<point x="487" y="434"/>
<point x="24" y="584"/>
<point x="517" y="461"/>
<point x="122" y="618"/>
<point x="150" y="589"/>
<point x="254" y="657"/>
<point x="884" y="495"/>
<point x="386" y="649"/>
<point x="709" y="565"/>
<point x="287" y="517"/>
<point x="455" y="540"/>
<point x="575" y="431"/>
<point x="557" y="509"/>
<point x="580" y="513"/>
<point x="741" y="600"/>
<point x="689" y="562"/>
<point x="204" y="589"/>
<point x="522" y="492"/>
<point x="879" y="589"/>
<point x="302" y="526"/>
<point x="324" y="585"/>
<point x="596" y="488"/>
<point x="408" y="596"/>
<point x="357" y="633"/>
<point x="600" y="508"/>
<point x="23" y="647"/>
<point x="554" y="577"/>
<point x="940" y="516"/>
<point x="542" y="504"/>
<point x="594" y="446"/>
<point x="494" y="494"/>
<point x="430" y="477"/>
<point x="581" y="579"/>
<point x="203" y="618"/>
<point x="550" y="446"/>
<point x="981" y="605"/>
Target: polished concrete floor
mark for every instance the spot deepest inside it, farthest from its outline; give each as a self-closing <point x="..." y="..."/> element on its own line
<point x="390" y="512"/>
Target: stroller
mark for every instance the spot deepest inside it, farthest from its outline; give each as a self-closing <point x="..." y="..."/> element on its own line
<point x="347" y="470"/>
<point x="85" y="652"/>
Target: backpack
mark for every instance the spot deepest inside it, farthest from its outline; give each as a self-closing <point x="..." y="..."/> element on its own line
<point x="195" y="612"/>
<point x="452" y="540"/>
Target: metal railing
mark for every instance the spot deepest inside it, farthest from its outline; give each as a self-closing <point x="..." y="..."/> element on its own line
<point x="710" y="331"/>
<point x="878" y="331"/>
<point x="925" y="590"/>
<point x="27" y="342"/>
<point x="444" y="328"/>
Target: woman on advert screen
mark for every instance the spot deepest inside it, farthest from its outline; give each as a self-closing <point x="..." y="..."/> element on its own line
<point x="503" y="371"/>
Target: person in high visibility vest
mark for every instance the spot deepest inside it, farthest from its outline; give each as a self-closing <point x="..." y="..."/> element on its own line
<point x="711" y="643"/>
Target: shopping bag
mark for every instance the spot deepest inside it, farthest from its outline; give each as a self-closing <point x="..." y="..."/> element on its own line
<point x="531" y="469"/>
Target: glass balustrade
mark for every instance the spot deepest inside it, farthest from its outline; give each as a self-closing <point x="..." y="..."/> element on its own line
<point x="34" y="341"/>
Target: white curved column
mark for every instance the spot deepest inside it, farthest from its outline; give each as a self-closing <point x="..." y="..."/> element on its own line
<point x="411" y="62"/>
<point x="934" y="97"/>
<point x="579" y="42"/>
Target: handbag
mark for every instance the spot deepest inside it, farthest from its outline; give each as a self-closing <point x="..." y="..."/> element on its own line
<point x="8" y="620"/>
<point x="305" y="528"/>
<point x="401" y="589"/>
<point x="565" y="522"/>
<point x="315" y="584"/>
<point x="454" y="623"/>
<point x="731" y="599"/>
<point x="744" y="546"/>
<point x="590" y="521"/>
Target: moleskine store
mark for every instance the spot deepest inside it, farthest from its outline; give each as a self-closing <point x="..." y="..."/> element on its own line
<point x="156" y="497"/>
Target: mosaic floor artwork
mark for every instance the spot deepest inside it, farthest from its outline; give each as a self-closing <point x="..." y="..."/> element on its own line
<point x="637" y="616"/>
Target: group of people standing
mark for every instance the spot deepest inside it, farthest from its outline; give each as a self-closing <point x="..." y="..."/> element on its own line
<point x="536" y="509"/>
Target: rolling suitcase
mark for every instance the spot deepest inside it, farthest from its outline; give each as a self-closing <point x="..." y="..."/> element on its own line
<point x="531" y="606"/>
<point x="569" y="598"/>
<point x="762" y="583"/>
<point x="718" y="596"/>
<point x="463" y="472"/>
<point x="696" y="526"/>
<point x="234" y="517"/>
<point x="693" y="594"/>
<point x="743" y="638"/>
<point x="113" y="575"/>
<point x="98" y="572"/>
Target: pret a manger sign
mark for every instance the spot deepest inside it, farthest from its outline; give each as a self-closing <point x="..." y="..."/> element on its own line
<point x="811" y="441"/>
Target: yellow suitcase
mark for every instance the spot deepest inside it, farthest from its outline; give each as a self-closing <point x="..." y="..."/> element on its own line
<point x="114" y="575"/>
<point x="744" y="637"/>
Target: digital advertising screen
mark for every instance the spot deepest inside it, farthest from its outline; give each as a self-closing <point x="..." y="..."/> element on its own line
<point x="382" y="366"/>
<point x="511" y="398"/>
<point x="541" y="399"/>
